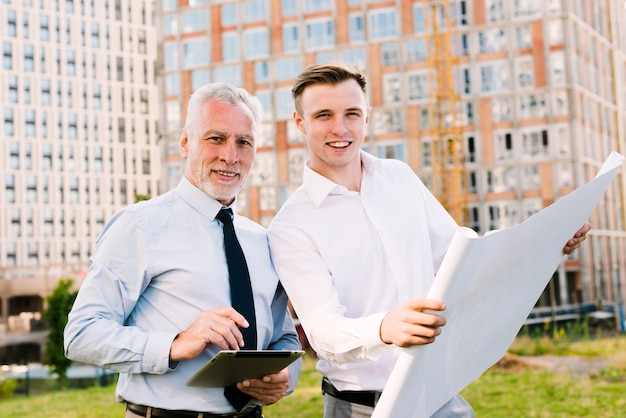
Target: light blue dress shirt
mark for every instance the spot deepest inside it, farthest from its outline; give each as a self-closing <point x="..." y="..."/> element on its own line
<point x="157" y="266"/>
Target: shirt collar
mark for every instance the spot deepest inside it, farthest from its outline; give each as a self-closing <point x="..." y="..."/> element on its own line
<point x="319" y="187"/>
<point x="199" y="200"/>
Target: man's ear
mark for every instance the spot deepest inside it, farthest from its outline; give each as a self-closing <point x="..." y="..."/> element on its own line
<point x="299" y="121"/>
<point x="183" y="145"/>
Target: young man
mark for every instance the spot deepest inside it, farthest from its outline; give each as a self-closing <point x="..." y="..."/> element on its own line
<point x="357" y="246"/>
<point x="156" y="303"/>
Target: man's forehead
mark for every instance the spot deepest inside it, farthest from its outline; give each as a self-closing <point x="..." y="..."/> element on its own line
<point x="321" y="97"/>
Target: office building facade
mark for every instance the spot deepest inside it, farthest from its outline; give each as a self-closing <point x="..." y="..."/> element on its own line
<point x="79" y="140"/>
<point x="93" y="96"/>
<point x="539" y="89"/>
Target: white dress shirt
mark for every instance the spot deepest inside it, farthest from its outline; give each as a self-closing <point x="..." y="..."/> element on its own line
<point x="157" y="266"/>
<point x="347" y="258"/>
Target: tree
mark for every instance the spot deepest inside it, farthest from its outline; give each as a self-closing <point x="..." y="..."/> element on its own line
<point x="59" y="304"/>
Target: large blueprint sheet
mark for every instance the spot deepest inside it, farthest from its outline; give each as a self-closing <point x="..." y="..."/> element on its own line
<point x="489" y="284"/>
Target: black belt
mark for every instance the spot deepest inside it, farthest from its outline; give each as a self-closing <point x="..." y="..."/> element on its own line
<point x="362" y="397"/>
<point x="255" y="412"/>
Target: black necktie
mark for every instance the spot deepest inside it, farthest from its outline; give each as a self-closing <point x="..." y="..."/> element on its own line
<point x="240" y="296"/>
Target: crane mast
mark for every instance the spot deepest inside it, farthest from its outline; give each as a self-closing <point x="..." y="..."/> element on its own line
<point x="446" y="115"/>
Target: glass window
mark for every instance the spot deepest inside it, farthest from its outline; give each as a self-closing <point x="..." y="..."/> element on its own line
<point x="13" y="97"/>
<point x="288" y="68"/>
<point x="494" y="77"/>
<point x="527" y="8"/>
<point x="29" y="128"/>
<point x="284" y="103"/>
<point x="460" y="44"/>
<point x="194" y="21"/>
<point x="523" y="37"/>
<point x="393" y="150"/>
<point x="387" y="121"/>
<point x="168" y="5"/>
<point x="172" y="84"/>
<point x="265" y="169"/>
<point x="199" y="78"/>
<point x="266" y="135"/>
<point x="531" y="178"/>
<point x="7" y="56"/>
<point x="390" y="54"/>
<point x="256" y="43"/>
<point x="565" y="174"/>
<point x="555" y="32"/>
<point x="170" y="25"/>
<point x="172" y="110"/>
<point x="494" y="10"/>
<point x="317" y="5"/>
<point x="322" y="57"/>
<point x="357" y="31"/>
<point x="463" y="80"/>
<point x="170" y="51"/>
<point x="265" y="98"/>
<point x="354" y="56"/>
<point x="557" y="68"/>
<point x="501" y="109"/>
<point x="291" y="38"/>
<point x="532" y="106"/>
<point x="195" y="53"/>
<point x="44" y="28"/>
<point x="229" y="14"/>
<point x="524" y="68"/>
<point x="8" y="121"/>
<point x="535" y="143"/>
<point x="230" y="46"/>
<point x="254" y="11"/>
<point x="14" y="155"/>
<point x="95" y="35"/>
<point x="383" y="24"/>
<point x="261" y="72"/>
<point x="501" y="179"/>
<point x="296" y="158"/>
<point x="70" y="61"/>
<point x="230" y="74"/>
<point x="392" y="89"/>
<point x="417" y="86"/>
<point x="492" y="40"/>
<point x="531" y="206"/>
<point x="320" y="34"/>
<point x="459" y="12"/>
<point x="11" y="24"/>
<point x="503" y="145"/>
<point x="29" y="58"/>
<point x="415" y="50"/>
<point x="560" y="104"/>
<point x="290" y="7"/>
<point x="419" y="24"/>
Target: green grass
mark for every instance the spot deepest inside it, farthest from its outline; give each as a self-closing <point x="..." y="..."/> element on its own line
<point x="514" y="392"/>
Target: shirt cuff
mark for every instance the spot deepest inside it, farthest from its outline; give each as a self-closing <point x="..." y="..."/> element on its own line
<point x="156" y="358"/>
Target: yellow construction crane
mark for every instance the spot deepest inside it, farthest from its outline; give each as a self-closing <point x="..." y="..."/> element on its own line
<point x="446" y="118"/>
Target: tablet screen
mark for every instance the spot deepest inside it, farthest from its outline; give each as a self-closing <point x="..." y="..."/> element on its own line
<point x="228" y="367"/>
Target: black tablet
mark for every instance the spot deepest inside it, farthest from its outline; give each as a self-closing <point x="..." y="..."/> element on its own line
<point x="231" y="366"/>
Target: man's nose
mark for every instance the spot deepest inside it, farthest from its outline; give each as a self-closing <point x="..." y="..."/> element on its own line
<point x="229" y="152"/>
<point x="339" y="126"/>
